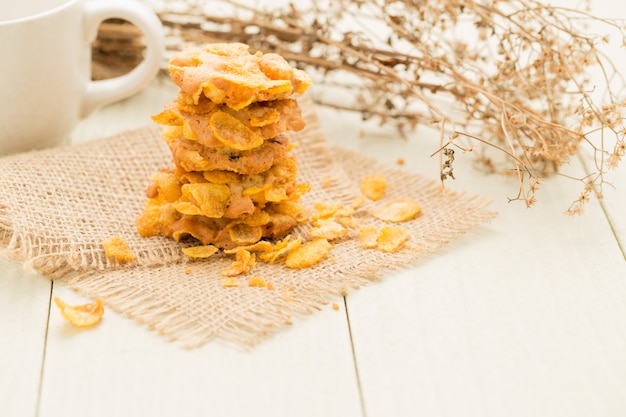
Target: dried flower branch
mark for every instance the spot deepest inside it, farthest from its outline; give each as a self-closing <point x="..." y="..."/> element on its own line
<point x="515" y="76"/>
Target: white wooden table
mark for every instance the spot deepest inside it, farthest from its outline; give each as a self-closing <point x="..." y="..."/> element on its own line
<point x="524" y="316"/>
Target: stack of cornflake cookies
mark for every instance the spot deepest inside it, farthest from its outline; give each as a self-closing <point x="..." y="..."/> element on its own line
<point x="234" y="181"/>
<point x="233" y="187"/>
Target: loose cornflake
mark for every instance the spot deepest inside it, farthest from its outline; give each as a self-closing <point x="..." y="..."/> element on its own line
<point x="201" y="252"/>
<point x="328" y="229"/>
<point x="334" y="211"/>
<point x="85" y="315"/>
<point x="358" y="202"/>
<point x="308" y="254"/>
<point x="117" y="248"/>
<point x="348" y="222"/>
<point x="244" y="261"/>
<point x="368" y="236"/>
<point x="230" y="282"/>
<point x="323" y="210"/>
<point x="281" y="248"/>
<point x="374" y="186"/>
<point x="391" y="239"/>
<point x="398" y="210"/>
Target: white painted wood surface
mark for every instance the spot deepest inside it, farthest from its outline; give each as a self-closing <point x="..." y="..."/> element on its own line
<point x="524" y="316"/>
<point x="24" y="306"/>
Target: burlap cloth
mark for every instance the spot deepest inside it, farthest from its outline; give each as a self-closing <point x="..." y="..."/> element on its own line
<point x="57" y="206"/>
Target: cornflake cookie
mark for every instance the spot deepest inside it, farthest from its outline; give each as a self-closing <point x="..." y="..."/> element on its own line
<point x="192" y="156"/>
<point x="227" y="73"/>
<point x="220" y="125"/>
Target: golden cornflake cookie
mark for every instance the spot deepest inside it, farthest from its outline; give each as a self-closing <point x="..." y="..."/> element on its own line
<point x="218" y="194"/>
<point x="207" y="214"/>
<point x="222" y="126"/>
<point x="226" y="233"/>
<point x="227" y="73"/>
<point x="192" y="156"/>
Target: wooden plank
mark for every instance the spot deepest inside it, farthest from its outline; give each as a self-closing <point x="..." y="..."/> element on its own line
<point x="121" y="368"/>
<point x="614" y="204"/>
<point x="24" y="301"/>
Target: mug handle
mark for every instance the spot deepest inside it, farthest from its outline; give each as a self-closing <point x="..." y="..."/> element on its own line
<point x="100" y="93"/>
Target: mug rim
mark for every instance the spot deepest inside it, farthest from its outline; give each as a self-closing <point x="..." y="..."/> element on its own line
<point x="64" y="5"/>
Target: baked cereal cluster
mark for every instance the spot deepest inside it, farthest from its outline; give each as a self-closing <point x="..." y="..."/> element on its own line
<point x="234" y="180"/>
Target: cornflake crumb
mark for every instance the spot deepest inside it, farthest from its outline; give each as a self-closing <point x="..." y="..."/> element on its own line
<point x="230" y="282"/>
<point x="368" y="236"/>
<point x="400" y="161"/>
<point x="117" y="248"/>
<point x="335" y="306"/>
<point x="256" y="281"/>
<point x="244" y="261"/>
<point x="286" y="294"/>
<point x="187" y="271"/>
<point x="358" y="202"/>
<point x="270" y="286"/>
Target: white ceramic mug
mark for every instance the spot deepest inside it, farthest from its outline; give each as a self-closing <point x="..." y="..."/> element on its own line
<point x="45" y="66"/>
